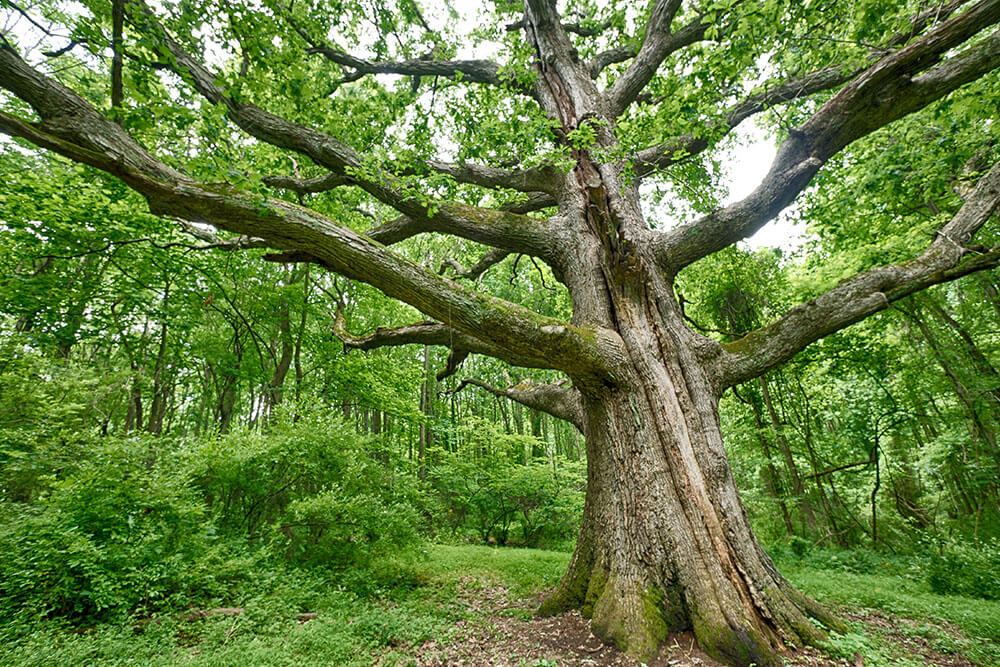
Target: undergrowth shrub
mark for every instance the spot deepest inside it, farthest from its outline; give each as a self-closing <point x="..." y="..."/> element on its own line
<point x="537" y="504"/>
<point x="798" y="552"/>
<point x="48" y="418"/>
<point x="118" y="533"/>
<point x="966" y="569"/>
<point x="136" y="524"/>
<point x="340" y="527"/>
<point x="317" y="491"/>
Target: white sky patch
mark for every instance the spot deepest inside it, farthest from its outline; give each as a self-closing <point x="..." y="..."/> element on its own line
<point x="746" y="164"/>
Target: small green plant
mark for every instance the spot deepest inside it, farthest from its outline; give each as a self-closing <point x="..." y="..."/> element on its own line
<point x="965" y="569"/>
<point x="798" y="545"/>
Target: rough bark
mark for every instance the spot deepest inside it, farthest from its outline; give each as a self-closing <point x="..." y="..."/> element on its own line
<point x="666" y="544"/>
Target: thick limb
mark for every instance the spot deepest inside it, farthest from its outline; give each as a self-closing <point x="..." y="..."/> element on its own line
<point x="497" y="228"/>
<point x="426" y="333"/>
<point x="869" y="291"/>
<point x="896" y="85"/>
<point x="86" y="136"/>
<point x="777" y="92"/>
<point x="658" y="43"/>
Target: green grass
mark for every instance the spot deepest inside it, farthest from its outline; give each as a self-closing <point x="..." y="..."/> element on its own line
<point x="979" y="620"/>
<point x="408" y="604"/>
<point x="523" y="571"/>
<point x="348" y="631"/>
<point x="415" y="603"/>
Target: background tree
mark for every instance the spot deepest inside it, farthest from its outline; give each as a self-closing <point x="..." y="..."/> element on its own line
<point x="575" y="119"/>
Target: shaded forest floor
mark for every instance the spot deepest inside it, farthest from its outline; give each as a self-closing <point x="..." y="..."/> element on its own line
<point x="473" y="606"/>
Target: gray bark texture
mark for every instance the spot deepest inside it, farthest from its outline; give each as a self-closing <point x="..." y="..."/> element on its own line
<point x="665" y="542"/>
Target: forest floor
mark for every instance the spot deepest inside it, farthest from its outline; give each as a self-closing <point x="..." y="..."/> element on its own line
<point x="504" y="631"/>
<point x="507" y="635"/>
<point x="894" y="620"/>
<point x="472" y="606"/>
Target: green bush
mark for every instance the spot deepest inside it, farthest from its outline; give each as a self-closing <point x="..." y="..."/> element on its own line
<point x="249" y="478"/>
<point x="964" y="569"/>
<point x="117" y="534"/>
<point x="48" y="418"/>
<point x="338" y="528"/>
<point x="324" y="495"/>
<point x="136" y="524"/>
<point x="538" y="504"/>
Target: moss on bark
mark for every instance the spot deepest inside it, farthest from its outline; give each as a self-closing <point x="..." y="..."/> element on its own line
<point x="630" y="617"/>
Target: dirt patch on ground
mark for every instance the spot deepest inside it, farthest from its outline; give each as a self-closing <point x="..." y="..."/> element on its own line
<point x="507" y="633"/>
<point x="512" y="637"/>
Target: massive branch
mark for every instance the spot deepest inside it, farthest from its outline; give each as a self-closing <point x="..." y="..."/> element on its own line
<point x="74" y="129"/>
<point x="477" y="71"/>
<point x="895" y="86"/>
<point x="797" y="87"/>
<point x="499" y="229"/>
<point x="947" y="258"/>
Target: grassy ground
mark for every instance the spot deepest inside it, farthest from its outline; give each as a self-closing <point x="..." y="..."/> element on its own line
<point x="950" y="624"/>
<point x="435" y="601"/>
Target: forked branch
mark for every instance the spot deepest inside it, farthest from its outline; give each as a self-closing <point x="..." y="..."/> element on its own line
<point x="658" y="43"/>
<point x="74" y="129"/>
<point x="498" y="229"/>
<point x="460" y="345"/>
<point x="477" y="70"/>
<point x="797" y="87"/>
<point x="557" y="400"/>
<point x="473" y="272"/>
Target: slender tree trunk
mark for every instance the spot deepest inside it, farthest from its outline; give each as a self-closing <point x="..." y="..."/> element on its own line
<point x="876" y="456"/>
<point x="117" y="89"/>
<point x="518" y="413"/>
<point x="984" y="368"/>
<point x="133" y="416"/>
<point x="275" y="391"/>
<point x="798" y="488"/>
<point x="981" y="430"/>
<point x="161" y="390"/>
<point x="228" y="381"/>
<point x="427" y="409"/>
<point x="772" y="480"/>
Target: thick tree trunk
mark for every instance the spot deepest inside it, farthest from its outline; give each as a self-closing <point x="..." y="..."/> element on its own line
<point x="665" y="543"/>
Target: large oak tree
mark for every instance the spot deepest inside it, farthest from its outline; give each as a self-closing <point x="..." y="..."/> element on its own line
<point x="551" y="143"/>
